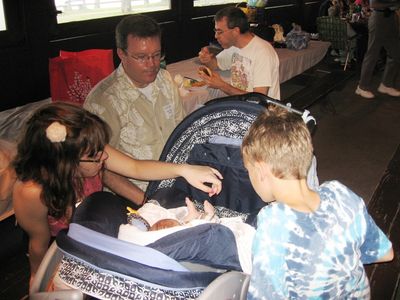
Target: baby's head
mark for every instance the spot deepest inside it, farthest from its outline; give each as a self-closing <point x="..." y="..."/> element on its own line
<point x="163" y="224"/>
<point x="135" y="219"/>
<point x="282" y="140"/>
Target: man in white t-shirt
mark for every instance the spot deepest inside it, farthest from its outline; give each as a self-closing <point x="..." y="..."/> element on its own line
<point x="253" y="62"/>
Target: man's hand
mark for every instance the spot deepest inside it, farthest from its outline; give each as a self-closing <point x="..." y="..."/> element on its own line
<point x="214" y="81"/>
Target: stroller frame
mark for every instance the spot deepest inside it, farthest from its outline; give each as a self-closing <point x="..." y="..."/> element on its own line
<point x="231" y="284"/>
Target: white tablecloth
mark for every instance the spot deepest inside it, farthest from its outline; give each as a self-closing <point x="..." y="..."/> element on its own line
<point x="291" y="64"/>
<point x="194" y="97"/>
<point x="295" y="62"/>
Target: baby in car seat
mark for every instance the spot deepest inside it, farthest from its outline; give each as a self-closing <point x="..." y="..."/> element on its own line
<point x="152" y="222"/>
<point x="181" y="216"/>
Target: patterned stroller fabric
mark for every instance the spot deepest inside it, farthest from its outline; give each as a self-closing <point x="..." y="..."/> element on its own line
<point x="212" y="136"/>
<point x="99" y="264"/>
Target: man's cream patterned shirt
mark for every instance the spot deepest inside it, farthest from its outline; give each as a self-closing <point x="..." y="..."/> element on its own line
<point x="140" y="127"/>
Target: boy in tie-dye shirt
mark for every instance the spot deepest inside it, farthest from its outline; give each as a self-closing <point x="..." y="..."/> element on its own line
<point x="309" y="244"/>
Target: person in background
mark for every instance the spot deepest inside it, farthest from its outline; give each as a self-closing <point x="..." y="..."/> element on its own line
<point x="60" y="161"/>
<point x="324" y="7"/>
<point x="253" y="62"/>
<point x="139" y="100"/>
<point x="7" y="177"/>
<point x="383" y="29"/>
<point x="308" y="244"/>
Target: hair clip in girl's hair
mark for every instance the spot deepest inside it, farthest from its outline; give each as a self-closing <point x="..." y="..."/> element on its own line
<point x="56" y="132"/>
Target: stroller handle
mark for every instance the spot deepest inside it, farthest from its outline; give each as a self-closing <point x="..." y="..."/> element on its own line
<point x="265" y="100"/>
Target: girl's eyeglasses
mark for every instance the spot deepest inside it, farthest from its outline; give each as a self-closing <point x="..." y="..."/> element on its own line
<point x="94" y="160"/>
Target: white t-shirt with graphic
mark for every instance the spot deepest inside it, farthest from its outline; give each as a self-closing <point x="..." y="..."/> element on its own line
<point x="255" y="65"/>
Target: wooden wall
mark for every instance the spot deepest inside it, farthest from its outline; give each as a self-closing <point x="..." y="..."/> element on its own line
<point x="35" y="36"/>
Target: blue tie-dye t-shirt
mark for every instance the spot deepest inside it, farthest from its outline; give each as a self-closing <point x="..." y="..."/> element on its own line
<point x="317" y="255"/>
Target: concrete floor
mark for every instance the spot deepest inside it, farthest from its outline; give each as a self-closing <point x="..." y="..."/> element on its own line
<point x="355" y="138"/>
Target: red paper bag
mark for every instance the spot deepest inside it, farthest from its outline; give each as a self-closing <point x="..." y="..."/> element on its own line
<point x="74" y="74"/>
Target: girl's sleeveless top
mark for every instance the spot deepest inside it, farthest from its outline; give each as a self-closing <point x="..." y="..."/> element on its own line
<point x="90" y="185"/>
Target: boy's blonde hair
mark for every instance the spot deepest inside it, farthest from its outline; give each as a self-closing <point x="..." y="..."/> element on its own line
<point x="282" y="140"/>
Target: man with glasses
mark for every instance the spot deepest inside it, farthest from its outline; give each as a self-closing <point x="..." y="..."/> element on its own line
<point x="253" y="62"/>
<point x="138" y="100"/>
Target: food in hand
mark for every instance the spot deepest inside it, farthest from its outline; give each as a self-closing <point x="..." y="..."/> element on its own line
<point x="205" y="70"/>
